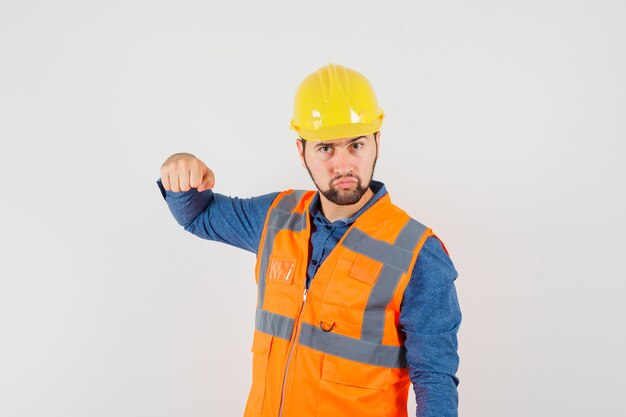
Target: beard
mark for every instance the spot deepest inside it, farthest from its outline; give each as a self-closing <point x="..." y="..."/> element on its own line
<point x="344" y="197"/>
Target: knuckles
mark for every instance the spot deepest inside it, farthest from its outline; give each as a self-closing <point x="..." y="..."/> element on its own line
<point x="176" y="167"/>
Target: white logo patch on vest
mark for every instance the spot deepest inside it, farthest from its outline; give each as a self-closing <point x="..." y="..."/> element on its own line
<point x="281" y="270"/>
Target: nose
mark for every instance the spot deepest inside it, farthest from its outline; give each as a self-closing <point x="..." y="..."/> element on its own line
<point x="342" y="162"/>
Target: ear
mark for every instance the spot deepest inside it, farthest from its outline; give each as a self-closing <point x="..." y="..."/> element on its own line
<point x="300" y="152"/>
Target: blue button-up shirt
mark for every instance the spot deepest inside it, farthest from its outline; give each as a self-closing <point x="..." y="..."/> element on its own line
<point x="429" y="317"/>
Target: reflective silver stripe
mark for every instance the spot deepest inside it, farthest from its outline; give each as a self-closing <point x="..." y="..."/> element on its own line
<point x="379" y="250"/>
<point x="274" y="324"/>
<point x="386" y="283"/>
<point x="380" y="296"/>
<point x="352" y="349"/>
<point x="411" y="233"/>
<point x="280" y="218"/>
<point x="290" y="201"/>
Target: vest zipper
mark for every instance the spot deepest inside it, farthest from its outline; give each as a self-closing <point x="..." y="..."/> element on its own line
<point x="293" y="344"/>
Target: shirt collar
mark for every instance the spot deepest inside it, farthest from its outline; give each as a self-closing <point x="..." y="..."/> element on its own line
<point x="314" y="208"/>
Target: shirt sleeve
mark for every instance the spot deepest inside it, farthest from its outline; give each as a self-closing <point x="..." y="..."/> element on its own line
<point x="213" y="216"/>
<point x="430" y="317"/>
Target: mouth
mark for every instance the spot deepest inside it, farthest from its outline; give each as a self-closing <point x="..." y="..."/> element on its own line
<point x="345" y="182"/>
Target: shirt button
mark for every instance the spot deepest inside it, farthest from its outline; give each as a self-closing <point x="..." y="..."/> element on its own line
<point x="328" y="227"/>
<point x="314" y="262"/>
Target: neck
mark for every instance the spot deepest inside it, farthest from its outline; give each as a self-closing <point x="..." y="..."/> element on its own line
<point x="335" y="212"/>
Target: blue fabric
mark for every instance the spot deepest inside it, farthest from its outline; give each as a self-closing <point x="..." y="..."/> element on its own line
<point x="430" y="315"/>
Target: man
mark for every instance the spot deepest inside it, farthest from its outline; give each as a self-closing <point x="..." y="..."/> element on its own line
<point x="355" y="298"/>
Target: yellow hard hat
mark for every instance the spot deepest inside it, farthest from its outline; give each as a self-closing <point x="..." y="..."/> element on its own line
<point x="335" y="102"/>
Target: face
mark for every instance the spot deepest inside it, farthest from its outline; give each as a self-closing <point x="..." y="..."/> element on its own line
<point x="342" y="168"/>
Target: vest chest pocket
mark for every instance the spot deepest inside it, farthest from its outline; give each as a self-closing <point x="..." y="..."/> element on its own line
<point x="349" y="288"/>
<point x="365" y="269"/>
<point x="349" y="388"/>
<point x="261" y="346"/>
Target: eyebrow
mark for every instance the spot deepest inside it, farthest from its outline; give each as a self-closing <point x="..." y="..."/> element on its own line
<point x="319" y="145"/>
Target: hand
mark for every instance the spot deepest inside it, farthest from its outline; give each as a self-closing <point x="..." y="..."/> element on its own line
<point x="183" y="171"/>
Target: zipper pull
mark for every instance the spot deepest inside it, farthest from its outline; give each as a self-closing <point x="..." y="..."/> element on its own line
<point x="306" y="290"/>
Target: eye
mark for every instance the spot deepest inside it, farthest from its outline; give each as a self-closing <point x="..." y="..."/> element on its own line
<point x="357" y="145"/>
<point x="324" y="149"/>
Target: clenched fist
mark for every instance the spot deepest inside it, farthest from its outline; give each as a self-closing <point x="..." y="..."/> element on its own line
<point x="183" y="171"/>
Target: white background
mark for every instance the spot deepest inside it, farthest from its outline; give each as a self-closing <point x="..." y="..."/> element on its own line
<point x="504" y="132"/>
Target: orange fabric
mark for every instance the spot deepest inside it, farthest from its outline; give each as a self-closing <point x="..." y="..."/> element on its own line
<point x="309" y="382"/>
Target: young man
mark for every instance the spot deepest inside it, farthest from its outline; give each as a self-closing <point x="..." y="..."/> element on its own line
<point x="355" y="298"/>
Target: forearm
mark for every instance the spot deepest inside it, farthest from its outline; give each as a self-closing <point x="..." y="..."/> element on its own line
<point x="433" y="361"/>
<point x="436" y="394"/>
<point x="214" y="216"/>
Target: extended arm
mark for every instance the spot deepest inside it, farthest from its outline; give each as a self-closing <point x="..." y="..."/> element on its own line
<point x="232" y="220"/>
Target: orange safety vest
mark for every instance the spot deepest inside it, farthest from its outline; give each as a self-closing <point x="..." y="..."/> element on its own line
<point x="335" y="349"/>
